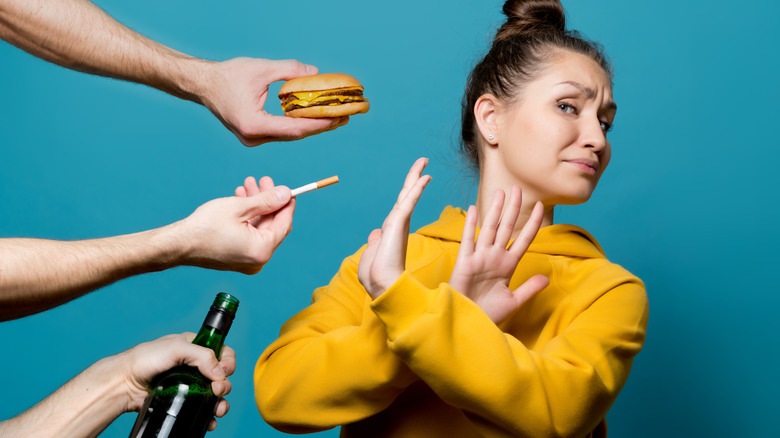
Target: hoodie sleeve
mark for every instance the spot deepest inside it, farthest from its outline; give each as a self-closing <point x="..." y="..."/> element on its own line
<point x="330" y="365"/>
<point x="504" y="388"/>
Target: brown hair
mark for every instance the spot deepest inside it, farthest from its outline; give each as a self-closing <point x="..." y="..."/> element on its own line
<point x="535" y="31"/>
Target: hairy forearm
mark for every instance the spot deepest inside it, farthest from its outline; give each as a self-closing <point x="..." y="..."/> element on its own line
<point x="83" y="407"/>
<point x="37" y="274"/>
<point x="79" y="35"/>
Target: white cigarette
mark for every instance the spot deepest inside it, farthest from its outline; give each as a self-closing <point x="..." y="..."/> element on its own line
<point x="315" y="185"/>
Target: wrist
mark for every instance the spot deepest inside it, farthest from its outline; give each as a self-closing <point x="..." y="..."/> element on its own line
<point x="192" y="79"/>
<point x="90" y="402"/>
<point x="110" y="385"/>
<point x="172" y="245"/>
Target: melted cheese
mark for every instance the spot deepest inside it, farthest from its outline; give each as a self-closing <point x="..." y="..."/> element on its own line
<point x="307" y="98"/>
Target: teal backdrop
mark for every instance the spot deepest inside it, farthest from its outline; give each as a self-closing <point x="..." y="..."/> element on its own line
<point x="691" y="186"/>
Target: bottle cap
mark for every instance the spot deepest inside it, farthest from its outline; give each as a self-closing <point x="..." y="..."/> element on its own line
<point x="222" y="312"/>
<point x="227" y="302"/>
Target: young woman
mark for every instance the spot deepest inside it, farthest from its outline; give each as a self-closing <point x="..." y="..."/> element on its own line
<point x="446" y="332"/>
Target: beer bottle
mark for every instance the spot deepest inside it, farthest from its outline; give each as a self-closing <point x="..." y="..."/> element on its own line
<point x="181" y="403"/>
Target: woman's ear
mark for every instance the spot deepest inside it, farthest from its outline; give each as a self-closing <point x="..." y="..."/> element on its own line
<point x="486" y="111"/>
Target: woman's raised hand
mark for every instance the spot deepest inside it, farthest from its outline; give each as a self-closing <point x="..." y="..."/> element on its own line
<point x="483" y="268"/>
<point x="384" y="259"/>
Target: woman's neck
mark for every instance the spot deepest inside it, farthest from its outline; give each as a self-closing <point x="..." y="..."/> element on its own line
<point x="485" y="193"/>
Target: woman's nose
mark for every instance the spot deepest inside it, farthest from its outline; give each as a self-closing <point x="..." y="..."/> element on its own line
<point x="593" y="136"/>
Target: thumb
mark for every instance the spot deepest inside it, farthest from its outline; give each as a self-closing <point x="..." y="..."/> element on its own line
<point x="265" y="202"/>
<point x="367" y="258"/>
<point x="374" y="236"/>
<point x="199" y="357"/>
<point x="530" y="288"/>
<point x="289" y="69"/>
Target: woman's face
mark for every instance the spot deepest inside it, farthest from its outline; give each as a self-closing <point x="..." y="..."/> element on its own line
<point x="553" y="142"/>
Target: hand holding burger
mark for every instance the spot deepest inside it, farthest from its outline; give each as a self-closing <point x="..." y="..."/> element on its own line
<point x="323" y="95"/>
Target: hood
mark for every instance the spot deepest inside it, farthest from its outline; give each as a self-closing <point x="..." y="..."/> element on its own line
<point x="559" y="239"/>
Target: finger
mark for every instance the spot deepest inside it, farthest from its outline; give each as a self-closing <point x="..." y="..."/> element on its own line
<point x="250" y="189"/>
<point x="221" y="388"/>
<point x="212" y="425"/>
<point x="282" y="128"/>
<point x="413" y="176"/>
<point x="228" y="360"/>
<point x="265" y="184"/>
<point x="337" y="123"/>
<point x="487" y="233"/>
<point x="374" y="236"/>
<point x="250" y="186"/>
<point x="367" y="258"/>
<point x="240" y="192"/>
<point x="531" y="287"/>
<point x="402" y="211"/>
<point x="222" y="408"/>
<point x="527" y="234"/>
<point x="281" y="222"/>
<point x="264" y="202"/>
<point x="395" y="230"/>
<point x="469" y="230"/>
<point x="286" y="69"/>
<point x="199" y="357"/>
<point x="509" y="217"/>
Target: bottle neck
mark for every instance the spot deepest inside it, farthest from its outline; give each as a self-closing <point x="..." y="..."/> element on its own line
<point x="214" y="330"/>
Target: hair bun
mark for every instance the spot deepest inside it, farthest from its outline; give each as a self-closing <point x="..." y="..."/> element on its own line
<point x="532" y="16"/>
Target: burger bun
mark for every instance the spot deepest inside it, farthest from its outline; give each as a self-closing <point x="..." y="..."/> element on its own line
<point x="345" y="109"/>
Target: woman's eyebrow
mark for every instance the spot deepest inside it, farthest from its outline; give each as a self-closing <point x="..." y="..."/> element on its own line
<point x="590" y="93"/>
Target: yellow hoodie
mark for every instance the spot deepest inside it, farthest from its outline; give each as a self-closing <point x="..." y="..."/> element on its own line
<point x="424" y="361"/>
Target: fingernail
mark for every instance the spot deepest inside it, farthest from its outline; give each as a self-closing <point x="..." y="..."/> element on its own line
<point x="310" y="69"/>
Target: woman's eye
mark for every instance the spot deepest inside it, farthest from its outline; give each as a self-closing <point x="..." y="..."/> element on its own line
<point x="565" y="107"/>
<point x="605" y="126"/>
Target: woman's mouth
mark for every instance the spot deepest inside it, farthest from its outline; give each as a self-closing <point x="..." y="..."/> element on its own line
<point x="590" y="167"/>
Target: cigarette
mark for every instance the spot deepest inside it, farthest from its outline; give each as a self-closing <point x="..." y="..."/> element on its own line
<point x="315" y="185"/>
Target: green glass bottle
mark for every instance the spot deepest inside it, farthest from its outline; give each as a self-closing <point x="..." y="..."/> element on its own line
<point x="181" y="403"/>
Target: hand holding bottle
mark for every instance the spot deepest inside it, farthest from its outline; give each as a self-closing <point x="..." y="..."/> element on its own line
<point x="112" y="386"/>
<point x="181" y="401"/>
<point x="142" y="363"/>
<point x="384" y="259"/>
<point x="483" y="268"/>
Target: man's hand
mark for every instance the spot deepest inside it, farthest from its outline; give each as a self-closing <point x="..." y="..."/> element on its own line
<point x="88" y="403"/>
<point x="79" y="35"/>
<point x="237" y="90"/>
<point x="237" y="233"/>
<point x="142" y="363"/>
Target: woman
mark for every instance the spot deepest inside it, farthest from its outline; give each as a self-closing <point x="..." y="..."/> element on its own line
<point x="461" y="340"/>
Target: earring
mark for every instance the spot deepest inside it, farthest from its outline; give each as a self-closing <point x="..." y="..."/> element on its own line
<point x="490" y="137"/>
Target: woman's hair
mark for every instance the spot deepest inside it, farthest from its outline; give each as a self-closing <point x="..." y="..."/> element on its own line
<point x="534" y="33"/>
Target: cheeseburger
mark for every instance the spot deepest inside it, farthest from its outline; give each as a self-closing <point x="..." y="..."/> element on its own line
<point x="325" y="95"/>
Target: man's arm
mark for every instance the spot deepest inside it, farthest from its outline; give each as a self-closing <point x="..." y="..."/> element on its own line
<point x="87" y="404"/>
<point x="235" y="233"/>
<point x="79" y="35"/>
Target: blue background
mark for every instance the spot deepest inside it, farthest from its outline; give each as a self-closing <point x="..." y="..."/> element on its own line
<point x="684" y="204"/>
